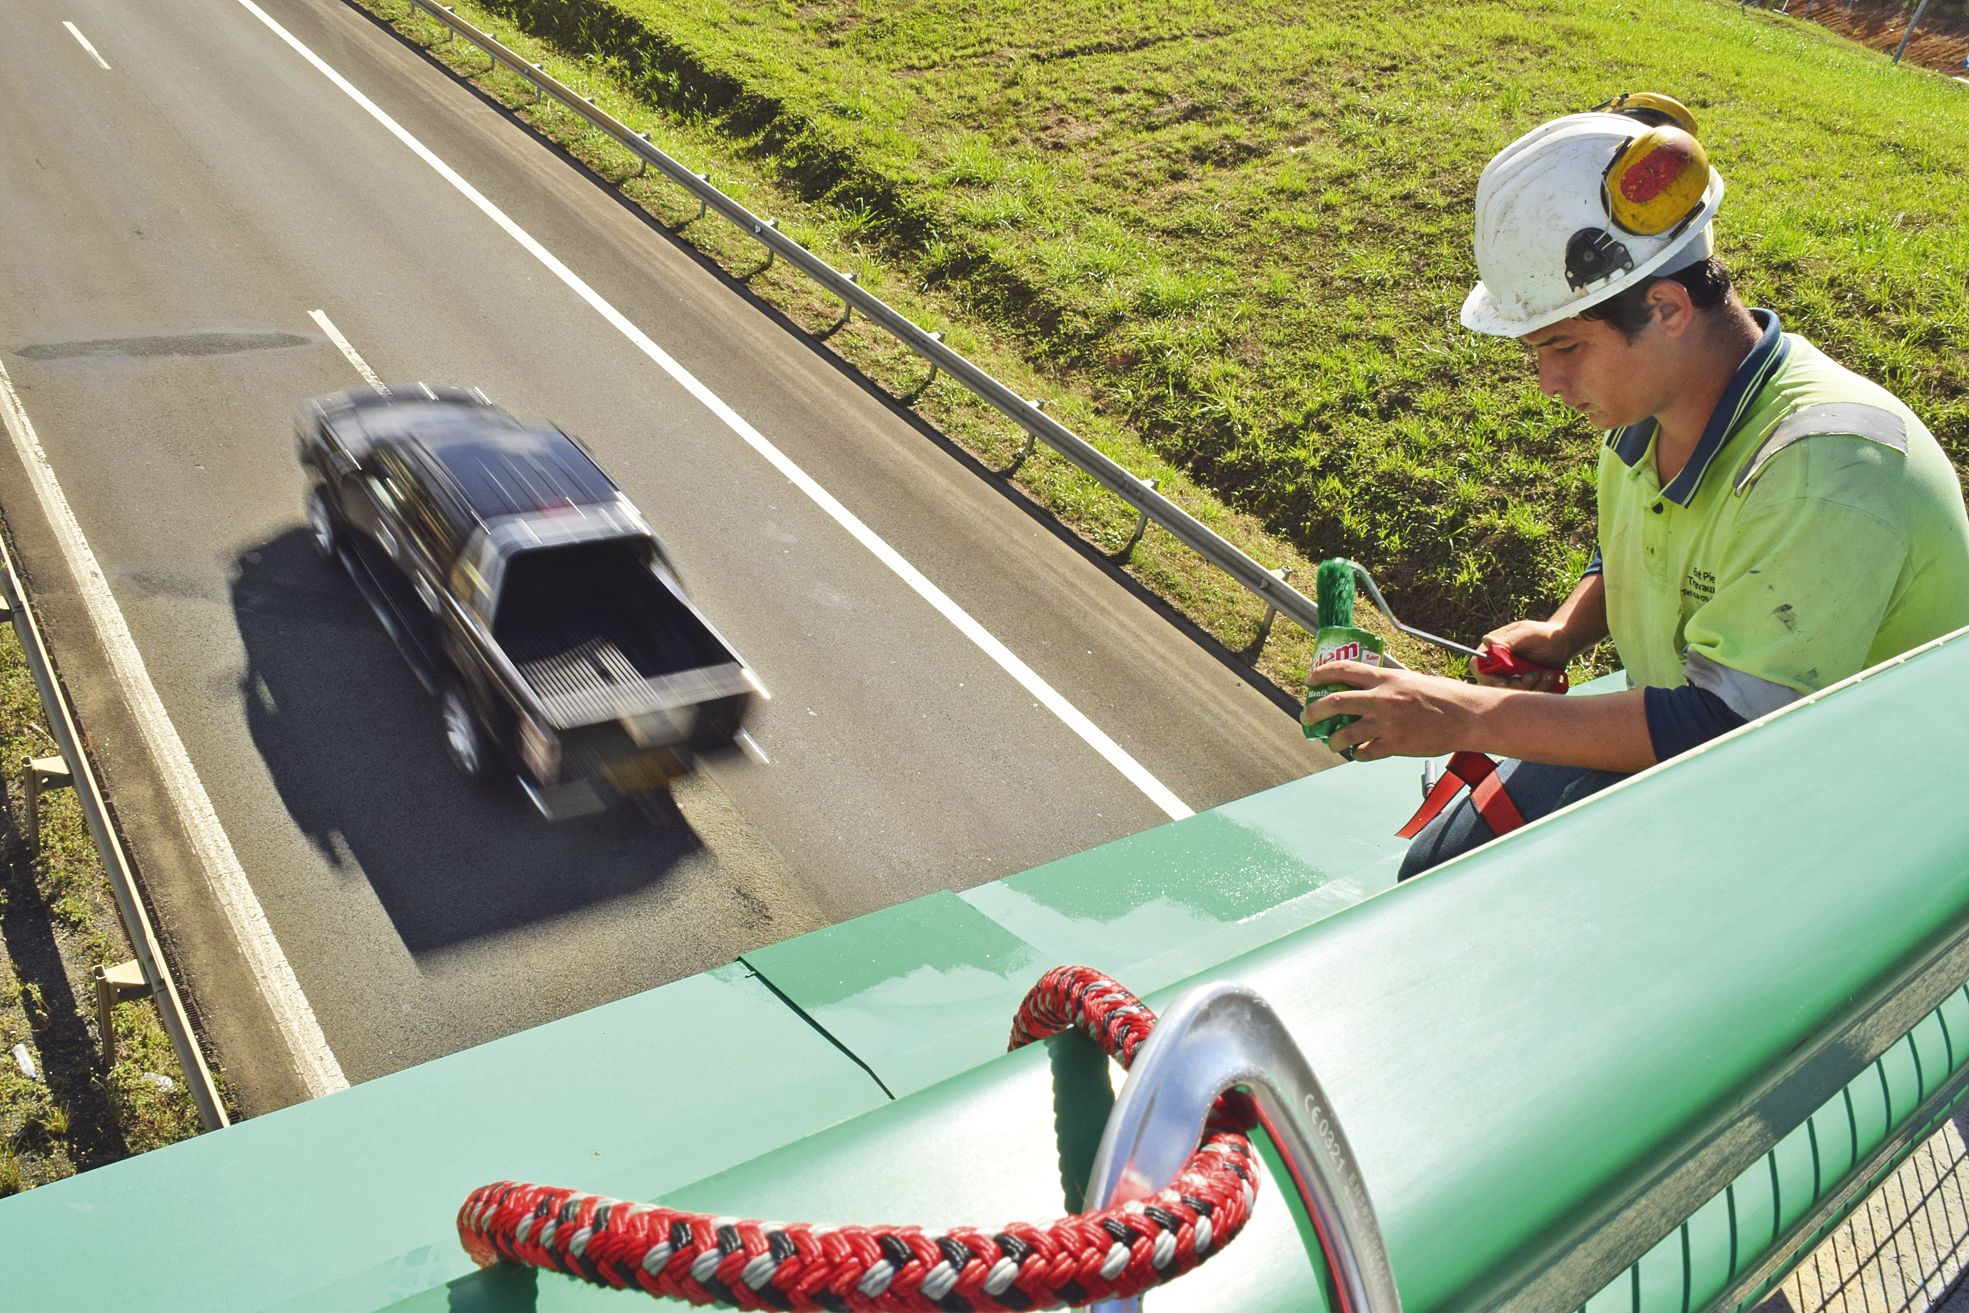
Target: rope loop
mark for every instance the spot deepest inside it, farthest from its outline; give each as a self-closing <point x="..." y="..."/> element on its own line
<point x="1114" y="1253"/>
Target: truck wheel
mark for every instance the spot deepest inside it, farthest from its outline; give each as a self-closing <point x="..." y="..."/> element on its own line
<point x="464" y="741"/>
<point x="321" y="525"/>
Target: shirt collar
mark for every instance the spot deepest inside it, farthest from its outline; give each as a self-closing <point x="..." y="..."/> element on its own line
<point x="1632" y="443"/>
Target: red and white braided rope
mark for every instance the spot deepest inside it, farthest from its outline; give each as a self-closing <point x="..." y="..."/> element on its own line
<point x="1110" y="1254"/>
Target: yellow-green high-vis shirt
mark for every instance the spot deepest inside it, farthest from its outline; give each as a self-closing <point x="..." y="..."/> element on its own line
<point x="1818" y="529"/>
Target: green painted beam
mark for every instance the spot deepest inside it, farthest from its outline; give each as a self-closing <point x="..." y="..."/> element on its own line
<point x="916" y="991"/>
<point x="927" y="989"/>
<point x="1741" y="1243"/>
<point x="1547" y="1053"/>
<point x="1159" y="906"/>
<point x="347" y="1202"/>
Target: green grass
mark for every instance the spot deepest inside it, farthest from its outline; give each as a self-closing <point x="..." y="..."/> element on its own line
<point x="1230" y="246"/>
<point x="58" y="919"/>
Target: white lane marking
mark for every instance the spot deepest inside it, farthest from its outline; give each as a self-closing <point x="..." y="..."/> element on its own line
<point x="1044" y="693"/>
<point x="751" y="748"/>
<point x="76" y="32"/>
<point x="335" y="336"/>
<point x="313" y="1061"/>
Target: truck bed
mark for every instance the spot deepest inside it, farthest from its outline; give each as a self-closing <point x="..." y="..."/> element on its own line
<point x="597" y="635"/>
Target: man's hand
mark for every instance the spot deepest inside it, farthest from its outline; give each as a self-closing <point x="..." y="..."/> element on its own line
<point x="1402" y="713"/>
<point x="1543" y="642"/>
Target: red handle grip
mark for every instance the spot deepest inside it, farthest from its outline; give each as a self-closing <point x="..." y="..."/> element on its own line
<point x="1495" y="659"/>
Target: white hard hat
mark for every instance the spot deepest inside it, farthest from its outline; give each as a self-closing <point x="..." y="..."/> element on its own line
<point x="1557" y="225"/>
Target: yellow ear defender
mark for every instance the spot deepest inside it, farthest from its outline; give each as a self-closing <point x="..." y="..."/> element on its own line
<point x="1653" y="185"/>
<point x="1651" y="108"/>
<point x="1658" y="181"/>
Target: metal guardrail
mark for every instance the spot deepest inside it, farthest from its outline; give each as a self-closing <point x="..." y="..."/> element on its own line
<point x="88" y="789"/>
<point x="1269" y="586"/>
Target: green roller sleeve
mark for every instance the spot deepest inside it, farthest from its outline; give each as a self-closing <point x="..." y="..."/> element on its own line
<point x="1333" y="592"/>
<point x="1337" y="643"/>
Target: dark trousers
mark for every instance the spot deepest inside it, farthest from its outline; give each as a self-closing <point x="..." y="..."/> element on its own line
<point x="1537" y="789"/>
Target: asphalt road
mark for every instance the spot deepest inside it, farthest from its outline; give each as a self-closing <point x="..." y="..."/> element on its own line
<point x="168" y="223"/>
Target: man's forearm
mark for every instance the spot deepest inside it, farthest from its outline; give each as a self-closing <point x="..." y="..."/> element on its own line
<point x="1583" y="615"/>
<point x="1608" y="732"/>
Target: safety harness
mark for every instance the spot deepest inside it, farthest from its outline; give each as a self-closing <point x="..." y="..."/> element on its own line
<point x="1474" y="770"/>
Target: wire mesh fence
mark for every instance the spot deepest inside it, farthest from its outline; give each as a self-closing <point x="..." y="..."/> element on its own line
<point x="1904" y="1250"/>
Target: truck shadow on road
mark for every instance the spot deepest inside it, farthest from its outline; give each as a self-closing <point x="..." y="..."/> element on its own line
<point x="351" y="741"/>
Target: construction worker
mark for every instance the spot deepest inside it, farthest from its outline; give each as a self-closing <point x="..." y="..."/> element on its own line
<point x="1769" y="522"/>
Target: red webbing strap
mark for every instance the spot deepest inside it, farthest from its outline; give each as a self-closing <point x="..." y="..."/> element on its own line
<point x="1479" y="774"/>
<point x="1490" y="799"/>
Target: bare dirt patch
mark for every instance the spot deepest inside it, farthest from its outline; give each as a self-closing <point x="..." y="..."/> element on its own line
<point x="1941" y="42"/>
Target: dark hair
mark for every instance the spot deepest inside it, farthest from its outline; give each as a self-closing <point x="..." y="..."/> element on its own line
<point x="1707" y="280"/>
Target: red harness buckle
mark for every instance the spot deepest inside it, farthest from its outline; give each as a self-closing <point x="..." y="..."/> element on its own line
<point x="1473" y="769"/>
<point x="1479" y="774"/>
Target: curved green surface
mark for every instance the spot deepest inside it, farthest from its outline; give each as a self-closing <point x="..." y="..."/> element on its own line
<point x="1549" y="1054"/>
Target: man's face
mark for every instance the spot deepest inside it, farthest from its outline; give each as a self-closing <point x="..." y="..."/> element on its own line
<point x="1592" y="367"/>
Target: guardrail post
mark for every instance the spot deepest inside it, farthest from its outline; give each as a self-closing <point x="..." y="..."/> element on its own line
<point x="847" y="306"/>
<point x="1271" y="612"/>
<point x="115" y="985"/>
<point x="757" y="231"/>
<point x="39" y="775"/>
<point x="1141" y="527"/>
<point x="642" y="161"/>
<point x="924" y="386"/>
<point x="1032" y="440"/>
<point x="95" y="813"/>
<point x="703" y="205"/>
<point x="538" y="94"/>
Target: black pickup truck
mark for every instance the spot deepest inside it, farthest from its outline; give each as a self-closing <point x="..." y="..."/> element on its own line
<point x="526" y="592"/>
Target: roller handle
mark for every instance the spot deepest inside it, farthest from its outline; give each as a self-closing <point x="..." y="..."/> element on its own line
<point x="1496" y="659"/>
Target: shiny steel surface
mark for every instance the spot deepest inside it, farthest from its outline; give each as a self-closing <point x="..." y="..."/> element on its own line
<point x="1381" y="605"/>
<point x="1218" y="1038"/>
